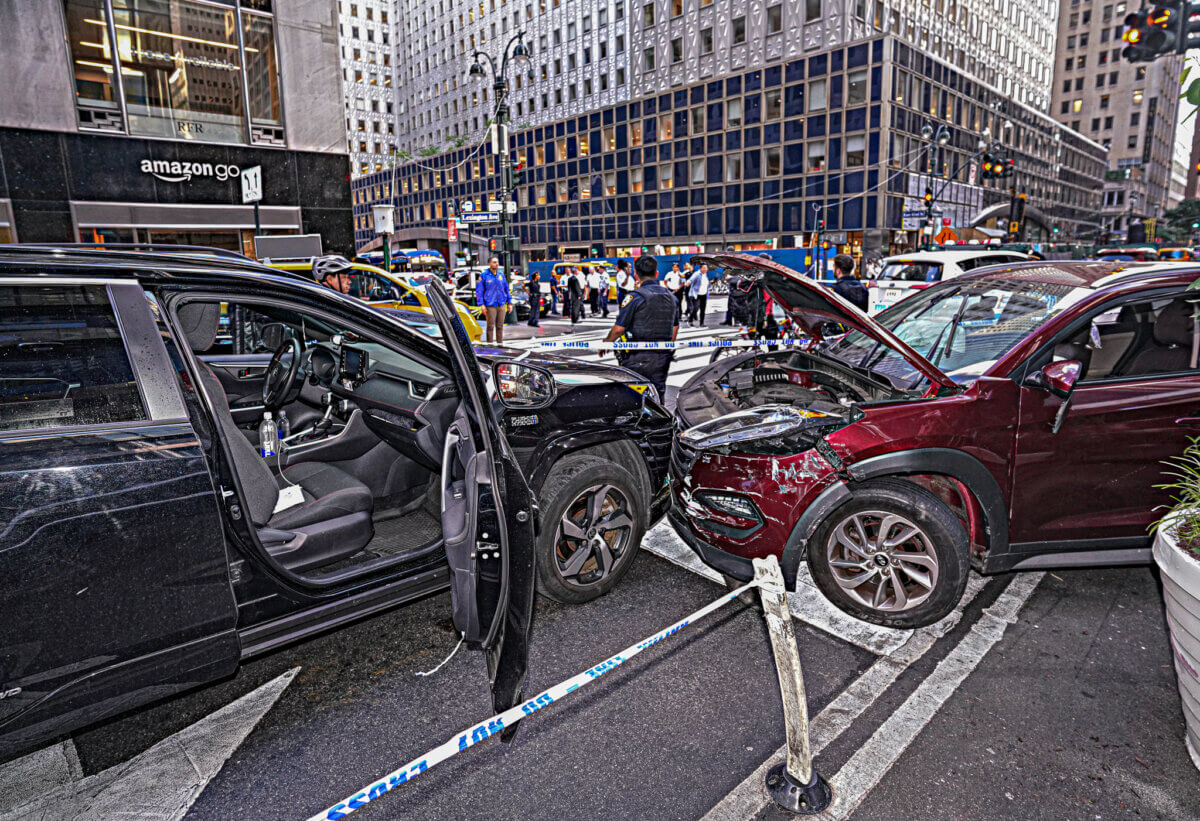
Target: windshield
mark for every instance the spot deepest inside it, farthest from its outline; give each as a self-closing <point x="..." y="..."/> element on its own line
<point x="909" y="271"/>
<point x="962" y="327"/>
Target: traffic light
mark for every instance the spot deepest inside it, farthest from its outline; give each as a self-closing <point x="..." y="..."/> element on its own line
<point x="512" y="244"/>
<point x="821" y="225"/>
<point x="928" y="197"/>
<point x="519" y="174"/>
<point x="1005" y="168"/>
<point x="494" y="244"/>
<point x="1165" y="29"/>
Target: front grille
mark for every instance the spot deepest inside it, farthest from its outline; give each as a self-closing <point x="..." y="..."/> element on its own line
<point x="682" y="459"/>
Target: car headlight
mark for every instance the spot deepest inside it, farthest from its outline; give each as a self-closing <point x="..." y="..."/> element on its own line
<point x="523" y="386"/>
<point x="765" y="422"/>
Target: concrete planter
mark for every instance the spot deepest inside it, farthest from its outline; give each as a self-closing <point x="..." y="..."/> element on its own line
<point x="1181" y="590"/>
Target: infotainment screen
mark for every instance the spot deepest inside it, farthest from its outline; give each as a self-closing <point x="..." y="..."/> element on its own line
<point x="354" y="363"/>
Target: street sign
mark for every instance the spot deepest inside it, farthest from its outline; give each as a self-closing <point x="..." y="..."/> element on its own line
<point x="836" y="237"/>
<point x="972" y="174"/>
<point x="452" y="230"/>
<point x="479" y="216"/>
<point x="512" y="206"/>
<point x="467" y="206"/>
<point x="946" y="236"/>
<point x="495" y="205"/>
<point x="946" y="221"/>
<point x="252" y="184"/>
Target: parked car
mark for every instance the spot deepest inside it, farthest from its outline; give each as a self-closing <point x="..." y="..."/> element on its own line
<point x="1176" y="253"/>
<point x="1011" y="419"/>
<point x="1138" y="253"/>
<point x="903" y="274"/>
<point x="146" y="546"/>
<point x="383" y="290"/>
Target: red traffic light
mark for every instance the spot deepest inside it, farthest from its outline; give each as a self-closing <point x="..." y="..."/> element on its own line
<point x="493" y="244"/>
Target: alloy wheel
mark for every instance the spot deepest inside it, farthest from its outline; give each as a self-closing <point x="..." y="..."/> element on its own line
<point x="593" y="534"/>
<point x="882" y="560"/>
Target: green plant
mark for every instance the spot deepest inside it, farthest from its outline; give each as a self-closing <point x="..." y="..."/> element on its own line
<point x="1183" y="522"/>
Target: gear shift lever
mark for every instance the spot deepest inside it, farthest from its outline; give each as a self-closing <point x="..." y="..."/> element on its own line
<point x="325" y="422"/>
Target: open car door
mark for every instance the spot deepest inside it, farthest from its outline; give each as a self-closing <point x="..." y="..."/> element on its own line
<point x="487" y="521"/>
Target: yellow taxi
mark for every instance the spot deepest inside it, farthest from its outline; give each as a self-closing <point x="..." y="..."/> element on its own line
<point x="384" y="290"/>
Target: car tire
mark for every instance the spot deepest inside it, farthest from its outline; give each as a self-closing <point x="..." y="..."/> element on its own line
<point x="893" y="555"/>
<point x="568" y="525"/>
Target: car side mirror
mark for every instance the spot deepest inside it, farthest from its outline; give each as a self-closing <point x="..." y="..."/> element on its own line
<point x="272" y="335"/>
<point x="1057" y="378"/>
<point x="523" y="387"/>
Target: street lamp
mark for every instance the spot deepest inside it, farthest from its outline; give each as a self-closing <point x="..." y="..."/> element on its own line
<point x="519" y="52"/>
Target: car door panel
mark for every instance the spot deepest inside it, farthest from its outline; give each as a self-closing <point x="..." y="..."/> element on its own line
<point x="1095" y="478"/>
<point x="116" y="586"/>
<point x="493" y="581"/>
<point x="241" y="376"/>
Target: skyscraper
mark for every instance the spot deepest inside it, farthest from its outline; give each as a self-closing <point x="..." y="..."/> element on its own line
<point x="367" y="49"/>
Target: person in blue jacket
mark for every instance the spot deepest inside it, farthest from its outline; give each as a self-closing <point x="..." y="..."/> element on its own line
<point x="491" y="294"/>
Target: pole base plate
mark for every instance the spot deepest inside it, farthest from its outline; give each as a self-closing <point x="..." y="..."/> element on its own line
<point x="791" y="795"/>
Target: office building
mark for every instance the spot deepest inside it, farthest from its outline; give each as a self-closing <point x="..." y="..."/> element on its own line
<point x="1128" y="108"/>
<point x="367" y="48"/>
<point x="747" y="131"/>
<point x="131" y="121"/>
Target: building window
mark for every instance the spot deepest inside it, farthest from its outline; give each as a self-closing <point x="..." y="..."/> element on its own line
<point x="772" y="104"/>
<point x="666" y="128"/>
<point x="648" y="59"/>
<point x="775" y="18"/>
<point x="647" y="15"/>
<point x="812" y="10"/>
<point x="697" y="120"/>
<point x="1133" y="141"/>
<point x="677" y="50"/>
<point x="697" y="171"/>
<point x="733" y="113"/>
<point x="739" y="30"/>
<point x="608" y="139"/>
<point x="816" y="95"/>
<point x="1108" y="123"/>
<point x="676" y="8"/>
<point x="733" y="168"/>
<point x="1135" y="119"/>
<point x="857" y="87"/>
<point x="706" y="41"/>
<point x="816" y="156"/>
<point x="636" y="180"/>
<point x="1077" y="105"/>
<point x="1137" y="96"/>
<point x="774" y="162"/>
<point x="610" y="183"/>
<point x="1103" y="102"/>
<point x="666" y="176"/>
<point x="635" y="133"/>
<point x="1095" y="123"/>
<point x="855" y="151"/>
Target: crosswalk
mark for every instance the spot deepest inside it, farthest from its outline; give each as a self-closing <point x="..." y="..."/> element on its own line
<point x="593" y="329"/>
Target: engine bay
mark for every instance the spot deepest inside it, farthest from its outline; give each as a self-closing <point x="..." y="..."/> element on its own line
<point x="792" y="377"/>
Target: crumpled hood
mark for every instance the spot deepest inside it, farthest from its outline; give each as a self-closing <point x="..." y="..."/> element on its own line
<point x="811" y="304"/>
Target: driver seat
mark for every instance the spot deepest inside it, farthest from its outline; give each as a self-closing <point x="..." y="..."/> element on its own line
<point x="334" y="520"/>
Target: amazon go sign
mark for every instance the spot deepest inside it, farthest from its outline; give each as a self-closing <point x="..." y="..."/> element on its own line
<point x="180" y="171"/>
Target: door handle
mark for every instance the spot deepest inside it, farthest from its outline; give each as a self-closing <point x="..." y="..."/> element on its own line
<point x="1188" y="421"/>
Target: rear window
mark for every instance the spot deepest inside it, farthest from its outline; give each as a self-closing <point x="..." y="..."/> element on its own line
<point x="903" y="271"/>
<point x="62" y="360"/>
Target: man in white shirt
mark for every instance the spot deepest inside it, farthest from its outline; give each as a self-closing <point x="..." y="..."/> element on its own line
<point x="698" y="295"/>
<point x="604" y="282"/>
<point x="674" y="279"/>
<point x="625" y="281"/>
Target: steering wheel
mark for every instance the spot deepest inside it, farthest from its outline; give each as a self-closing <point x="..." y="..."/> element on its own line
<point x="279" y="383"/>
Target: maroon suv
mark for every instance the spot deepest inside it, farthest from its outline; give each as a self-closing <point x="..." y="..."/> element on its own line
<point x="1013" y="418"/>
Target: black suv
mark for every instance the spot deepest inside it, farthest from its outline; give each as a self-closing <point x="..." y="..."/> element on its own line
<point x="145" y="544"/>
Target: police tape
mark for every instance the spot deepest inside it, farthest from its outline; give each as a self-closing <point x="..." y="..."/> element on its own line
<point x="669" y="346"/>
<point x="491" y="726"/>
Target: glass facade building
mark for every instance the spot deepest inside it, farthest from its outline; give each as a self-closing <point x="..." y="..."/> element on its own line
<point x="760" y="158"/>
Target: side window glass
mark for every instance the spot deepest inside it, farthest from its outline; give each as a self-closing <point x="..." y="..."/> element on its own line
<point x="1155" y="336"/>
<point x="62" y="360"/>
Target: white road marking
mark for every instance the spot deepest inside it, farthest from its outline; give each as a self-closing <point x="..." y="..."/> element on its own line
<point x="745" y="800"/>
<point x="807" y="603"/>
<point x="160" y="784"/>
<point x="871" y="762"/>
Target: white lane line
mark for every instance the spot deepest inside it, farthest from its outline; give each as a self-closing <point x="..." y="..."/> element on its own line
<point x="807" y="603"/>
<point x="873" y="760"/>
<point x="162" y="782"/>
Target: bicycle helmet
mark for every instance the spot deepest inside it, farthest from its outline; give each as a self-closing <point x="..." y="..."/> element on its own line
<point x="329" y="266"/>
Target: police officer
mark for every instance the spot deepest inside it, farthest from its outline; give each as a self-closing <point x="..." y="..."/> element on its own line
<point x="649" y="314"/>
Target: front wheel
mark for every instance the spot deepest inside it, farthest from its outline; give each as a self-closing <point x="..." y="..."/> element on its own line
<point x="592" y="522"/>
<point x="893" y="555"/>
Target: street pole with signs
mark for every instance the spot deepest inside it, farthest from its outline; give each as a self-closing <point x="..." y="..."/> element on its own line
<point x="519" y="52"/>
<point x="384" y="217"/>
<point x="252" y="192"/>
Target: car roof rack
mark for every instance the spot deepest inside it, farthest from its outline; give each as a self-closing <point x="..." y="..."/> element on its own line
<point x="145" y="247"/>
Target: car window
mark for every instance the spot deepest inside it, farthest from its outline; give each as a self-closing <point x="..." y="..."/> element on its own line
<point x="1142" y="338"/>
<point x="912" y="271"/>
<point x="62" y="359"/>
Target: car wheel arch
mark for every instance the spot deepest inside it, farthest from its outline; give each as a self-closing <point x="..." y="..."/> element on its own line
<point x="968" y="474"/>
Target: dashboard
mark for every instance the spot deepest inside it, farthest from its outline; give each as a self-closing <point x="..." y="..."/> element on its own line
<point x="404" y="402"/>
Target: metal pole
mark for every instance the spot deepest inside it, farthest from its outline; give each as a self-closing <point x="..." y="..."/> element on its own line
<point x="794" y="785"/>
<point x="387" y="253"/>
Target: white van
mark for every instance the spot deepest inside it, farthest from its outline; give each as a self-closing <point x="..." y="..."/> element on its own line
<point x="903" y="274"/>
